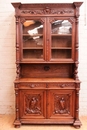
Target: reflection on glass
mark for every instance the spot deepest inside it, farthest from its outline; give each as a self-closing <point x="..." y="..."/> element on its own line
<point x="61" y="27"/>
<point x="32" y="27"/>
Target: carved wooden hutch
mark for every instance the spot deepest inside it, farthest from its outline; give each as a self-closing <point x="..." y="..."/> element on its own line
<point x="47" y="85"/>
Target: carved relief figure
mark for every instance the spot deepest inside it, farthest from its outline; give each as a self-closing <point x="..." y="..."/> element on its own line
<point x="61" y="104"/>
<point x="32" y="104"/>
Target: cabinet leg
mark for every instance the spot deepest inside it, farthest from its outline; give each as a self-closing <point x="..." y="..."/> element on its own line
<point x="77" y="124"/>
<point x="17" y="123"/>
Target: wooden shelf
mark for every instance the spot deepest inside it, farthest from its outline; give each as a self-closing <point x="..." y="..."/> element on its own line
<point x="29" y="48"/>
<point x="61" y="35"/>
<point x="45" y="80"/>
<point x="34" y="35"/>
<point x="61" y="48"/>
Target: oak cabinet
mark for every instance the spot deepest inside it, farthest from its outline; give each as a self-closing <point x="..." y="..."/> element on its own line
<point x="47" y="84"/>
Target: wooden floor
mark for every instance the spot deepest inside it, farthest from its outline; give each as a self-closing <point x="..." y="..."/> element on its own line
<point x="6" y="123"/>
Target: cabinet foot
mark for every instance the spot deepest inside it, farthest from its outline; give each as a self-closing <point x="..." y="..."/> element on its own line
<point x="77" y="124"/>
<point x="17" y="123"/>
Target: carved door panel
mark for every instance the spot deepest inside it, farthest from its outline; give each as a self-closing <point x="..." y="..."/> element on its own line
<point x="32" y="104"/>
<point x="61" y="103"/>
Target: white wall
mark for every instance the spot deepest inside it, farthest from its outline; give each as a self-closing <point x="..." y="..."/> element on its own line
<point x="7" y="55"/>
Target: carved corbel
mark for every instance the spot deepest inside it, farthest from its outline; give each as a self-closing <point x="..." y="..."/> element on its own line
<point x="17" y="70"/>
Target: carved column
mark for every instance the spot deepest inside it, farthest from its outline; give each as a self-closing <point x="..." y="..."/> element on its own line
<point x="77" y="122"/>
<point x="77" y="44"/>
<point x="17" y="122"/>
<point x="17" y="48"/>
<point x="77" y="5"/>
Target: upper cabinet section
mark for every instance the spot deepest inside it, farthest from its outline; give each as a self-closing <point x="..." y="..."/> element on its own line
<point x="47" y="32"/>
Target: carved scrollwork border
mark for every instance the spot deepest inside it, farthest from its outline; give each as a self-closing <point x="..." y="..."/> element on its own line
<point x="47" y="10"/>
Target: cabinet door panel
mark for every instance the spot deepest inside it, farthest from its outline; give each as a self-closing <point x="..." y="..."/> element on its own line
<point x="61" y="103"/>
<point x="32" y="104"/>
<point x="33" y="40"/>
<point x="62" y="39"/>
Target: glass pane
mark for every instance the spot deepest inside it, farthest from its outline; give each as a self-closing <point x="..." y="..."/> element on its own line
<point x="32" y="39"/>
<point x="61" y="54"/>
<point x="61" y="39"/>
<point x="61" y="27"/>
<point x="33" y="53"/>
<point x="32" y="27"/>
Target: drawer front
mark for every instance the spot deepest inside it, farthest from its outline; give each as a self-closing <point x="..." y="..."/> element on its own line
<point x="61" y="85"/>
<point x="32" y="85"/>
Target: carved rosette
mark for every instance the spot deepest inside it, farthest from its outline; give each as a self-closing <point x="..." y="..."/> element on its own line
<point x="32" y="104"/>
<point x="61" y="104"/>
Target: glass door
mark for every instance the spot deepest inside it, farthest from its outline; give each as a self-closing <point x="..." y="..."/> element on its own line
<point x="61" y="40"/>
<point x="33" y="40"/>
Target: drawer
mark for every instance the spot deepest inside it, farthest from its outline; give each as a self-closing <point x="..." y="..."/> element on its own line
<point x="33" y="85"/>
<point x="61" y="85"/>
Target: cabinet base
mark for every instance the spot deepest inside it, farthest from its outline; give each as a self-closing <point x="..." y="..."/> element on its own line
<point x="17" y="123"/>
<point x="77" y="124"/>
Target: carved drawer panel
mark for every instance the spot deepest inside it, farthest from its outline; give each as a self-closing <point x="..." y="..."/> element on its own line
<point x="32" y="104"/>
<point x="33" y="85"/>
<point x="61" y="85"/>
<point x="61" y="103"/>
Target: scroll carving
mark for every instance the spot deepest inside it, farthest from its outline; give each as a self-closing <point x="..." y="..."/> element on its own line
<point x="32" y="104"/>
<point x="62" y="104"/>
<point x="22" y="20"/>
<point x="33" y="85"/>
<point x="62" y="85"/>
<point x="18" y="70"/>
<point x="48" y="10"/>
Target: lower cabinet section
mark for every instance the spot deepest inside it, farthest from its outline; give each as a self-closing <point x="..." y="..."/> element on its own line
<point x="47" y="104"/>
